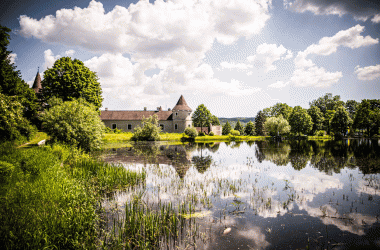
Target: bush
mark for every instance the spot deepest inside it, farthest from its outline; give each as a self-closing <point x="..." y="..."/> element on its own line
<point x="74" y="123"/>
<point x="191" y="132"/>
<point x="108" y="130"/>
<point x="320" y="133"/>
<point x="211" y="133"/>
<point x="201" y="134"/>
<point x="117" y="131"/>
<point x="150" y="130"/>
<point x="234" y="132"/>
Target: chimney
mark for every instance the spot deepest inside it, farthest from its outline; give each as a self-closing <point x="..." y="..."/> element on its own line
<point x="160" y="109"/>
<point x="144" y="108"/>
<point x="106" y="109"/>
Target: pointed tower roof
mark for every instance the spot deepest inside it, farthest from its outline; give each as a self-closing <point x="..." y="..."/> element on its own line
<point x="182" y="105"/>
<point x="37" y="83"/>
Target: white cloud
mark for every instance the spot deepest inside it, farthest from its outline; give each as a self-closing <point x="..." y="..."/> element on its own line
<point x="241" y="66"/>
<point x="306" y="73"/>
<point x="267" y="54"/>
<point x="368" y="73"/>
<point x="361" y="10"/>
<point x="12" y="57"/>
<point x="49" y="59"/>
<point x="278" y="85"/>
<point x="376" y="19"/>
<point x="69" y="52"/>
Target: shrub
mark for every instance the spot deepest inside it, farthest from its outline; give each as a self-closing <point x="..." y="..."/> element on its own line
<point x="191" y="132"/>
<point x="211" y="133"/>
<point x="117" y="131"/>
<point x="234" y="132"/>
<point x="108" y="130"/>
<point x="201" y="133"/>
<point x="150" y="130"/>
<point x="320" y="133"/>
<point x="74" y="123"/>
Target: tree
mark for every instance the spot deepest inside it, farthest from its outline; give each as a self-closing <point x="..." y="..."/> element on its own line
<point x="11" y="83"/>
<point x="191" y="132"/>
<point x="281" y="109"/>
<point x="341" y="121"/>
<point x="239" y="128"/>
<point x="201" y="117"/>
<point x="214" y="120"/>
<point x="13" y="126"/>
<point x="327" y="102"/>
<point x="317" y="118"/>
<point x="259" y="123"/>
<point x="75" y="123"/>
<point x="368" y="116"/>
<point x="249" y="128"/>
<point x="69" y="79"/>
<point x="226" y="129"/>
<point x="351" y="106"/>
<point x="277" y="125"/>
<point x="150" y="130"/>
<point x="327" y="120"/>
<point x="300" y="121"/>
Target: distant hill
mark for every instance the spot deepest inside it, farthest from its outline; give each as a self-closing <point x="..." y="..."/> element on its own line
<point x="233" y="121"/>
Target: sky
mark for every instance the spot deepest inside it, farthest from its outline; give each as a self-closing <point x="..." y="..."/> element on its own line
<point x="234" y="56"/>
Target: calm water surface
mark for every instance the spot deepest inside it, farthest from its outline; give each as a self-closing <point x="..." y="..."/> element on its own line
<point x="268" y="195"/>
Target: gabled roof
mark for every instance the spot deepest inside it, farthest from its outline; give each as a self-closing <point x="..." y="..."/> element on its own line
<point x="182" y="105"/>
<point x="135" y="115"/>
<point x="37" y="83"/>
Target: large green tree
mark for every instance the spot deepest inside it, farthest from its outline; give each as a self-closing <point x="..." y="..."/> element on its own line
<point x="226" y="129"/>
<point x="300" y="121"/>
<point x="351" y="106"/>
<point x="259" y="123"/>
<point x="69" y="79"/>
<point x="239" y="128"/>
<point x="249" y="128"/>
<point x="11" y="83"/>
<point x="367" y="116"/>
<point x="277" y="125"/>
<point x="75" y="123"/>
<point x="317" y="118"/>
<point x="202" y="117"/>
<point x="281" y="109"/>
<point x="327" y="102"/>
<point x="13" y="125"/>
<point x="340" y="121"/>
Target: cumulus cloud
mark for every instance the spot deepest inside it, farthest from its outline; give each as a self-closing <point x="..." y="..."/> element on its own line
<point x="360" y="10"/>
<point x="143" y="29"/>
<point x="306" y="73"/>
<point x="368" y="73"/>
<point x="69" y="52"/>
<point x="267" y="54"/>
<point x="12" y="57"/>
<point x="241" y="66"/>
<point x="376" y="19"/>
<point x="278" y="85"/>
<point x="49" y="59"/>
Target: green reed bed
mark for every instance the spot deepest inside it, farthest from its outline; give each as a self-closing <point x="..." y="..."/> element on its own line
<point x="50" y="197"/>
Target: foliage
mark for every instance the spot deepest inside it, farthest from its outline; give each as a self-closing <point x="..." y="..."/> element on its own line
<point x="202" y="117"/>
<point x="300" y="121"/>
<point x="341" y="121"/>
<point x="280" y="109"/>
<point x="327" y="102"/>
<point x="234" y="132"/>
<point x="201" y="133"/>
<point x="317" y="118"/>
<point x="249" y="128"/>
<point x="11" y="83"/>
<point x="6" y="170"/>
<point x="259" y="123"/>
<point x="277" y="125"/>
<point x="70" y="79"/>
<point x="211" y="133"/>
<point x="191" y="132"/>
<point x="150" y="130"/>
<point x="239" y="128"/>
<point x="226" y="129"/>
<point x="368" y="116"/>
<point x="13" y="126"/>
<point x="320" y="133"/>
<point x="351" y="106"/>
<point x="75" y="123"/>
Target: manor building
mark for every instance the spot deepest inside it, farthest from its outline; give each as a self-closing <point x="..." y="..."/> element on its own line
<point x="170" y="121"/>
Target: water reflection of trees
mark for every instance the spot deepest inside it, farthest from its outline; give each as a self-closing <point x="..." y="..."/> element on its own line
<point x="329" y="156"/>
<point x="201" y="162"/>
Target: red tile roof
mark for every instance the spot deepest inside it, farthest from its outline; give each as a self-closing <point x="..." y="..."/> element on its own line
<point x="135" y="115"/>
<point x="182" y="105"/>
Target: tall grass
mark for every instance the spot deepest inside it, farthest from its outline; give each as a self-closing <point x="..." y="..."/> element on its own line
<point x="51" y="197"/>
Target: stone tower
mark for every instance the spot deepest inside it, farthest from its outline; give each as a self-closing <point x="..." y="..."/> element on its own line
<point x="37" y="83"/>
<point x="181" y="116"/>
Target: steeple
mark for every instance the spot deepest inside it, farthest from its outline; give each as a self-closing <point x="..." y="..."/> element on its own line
<point x="37" y="82"/>
<point x="182" y="105"/>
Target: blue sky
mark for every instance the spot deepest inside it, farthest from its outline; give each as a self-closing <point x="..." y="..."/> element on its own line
<point x="235" y="56"/>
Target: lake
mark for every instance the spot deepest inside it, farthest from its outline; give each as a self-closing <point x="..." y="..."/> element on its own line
<point x="263" y="194"/>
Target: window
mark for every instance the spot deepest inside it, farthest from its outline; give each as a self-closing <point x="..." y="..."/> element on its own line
<point x="113" y="125"/>
<point x="175" y="126"/>
<point x="162" y="127"/>
<point x="129" y="126"/>
<point x="176" y="114"/>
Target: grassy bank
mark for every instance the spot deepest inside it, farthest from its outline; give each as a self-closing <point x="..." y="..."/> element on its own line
<point x="50" y="196"/>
